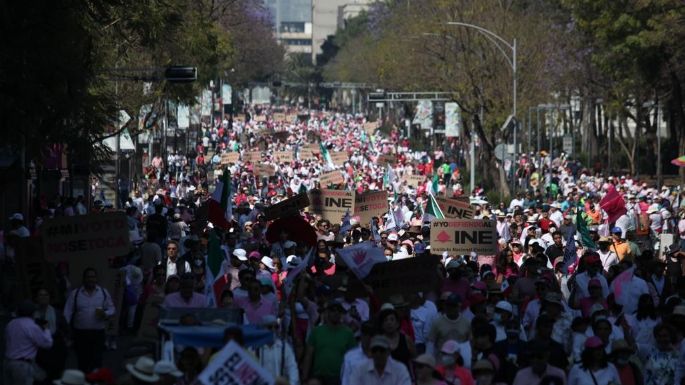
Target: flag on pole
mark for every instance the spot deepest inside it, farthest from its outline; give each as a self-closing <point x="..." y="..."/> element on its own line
<point x="583" y="231"/>
<point x="220" y="211"/>
<point x="346" y="225"/>
<point x="289" y="281"/>
<point x="374" y="232"/>
<point x="432" y="209"/>
<point x="217" y="270"/>
<point x="361" y="257"/>
<point x="435" y="185"/>
<point x="326" y="156"/>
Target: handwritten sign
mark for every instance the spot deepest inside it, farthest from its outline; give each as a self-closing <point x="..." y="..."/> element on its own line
<point x="331" y="204"/>
<point x="387" y="159"/>
<point x="287" y="207"/>
<point x="414" y="180"/>
<point x="309" y="151"/>
<point x="230" y="157"/>
<point x="370" y="127"/>
<point x="462" y="236"/>
<point x="339" y="157"/>
<point x="371" y="204"/>
<point x="455" y="208"/>
<point x="252" y="156"/>
<point x="278" y="117"/>
<point x="86" y="235"/>
<point x="262" y="170"/>
<point x="284" y="156"/>
<point x="331" y="178"/>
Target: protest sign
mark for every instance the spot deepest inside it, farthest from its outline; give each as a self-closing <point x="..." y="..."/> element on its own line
<point x="387" y="159"/>
<point x="414" y="180"/>
<point x="287" y="207"/>
<point x="102" y="234"/>
<point x="233" y="365"/>
<point x="339" y="157"/>
<point x="331" y="178"/>
<point x="462" y="236"/>
<point x="284" y="156"/>
<point x="370" y="127"/>
<point x="404" y="276"/>
<point x="455" y="208"/>
<point x="290" y="118"/>
<point x="370" y="204"/>
<point x="259" y="118"/>
<point x="278" y="117"/>
<point x="262" y="170"/>
<point x="230" y="157"/>
<point x="309" y="151"/>
<point x="331" y="204"/>
<point x="252" y="156"/>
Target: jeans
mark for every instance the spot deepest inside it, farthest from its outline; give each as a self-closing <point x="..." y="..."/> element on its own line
<point x="18" y="372"/>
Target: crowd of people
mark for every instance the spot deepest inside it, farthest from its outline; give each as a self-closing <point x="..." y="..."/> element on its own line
<point x="585" y="287"/>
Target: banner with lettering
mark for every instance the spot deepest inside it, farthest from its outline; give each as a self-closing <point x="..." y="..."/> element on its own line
<point x="234" y="365"/>
<point x="462" y="236"/>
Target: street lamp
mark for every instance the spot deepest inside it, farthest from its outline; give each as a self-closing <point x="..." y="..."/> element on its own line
<point x="501" y="44"/>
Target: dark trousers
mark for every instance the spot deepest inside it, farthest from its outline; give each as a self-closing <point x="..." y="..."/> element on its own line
<point x="89" y="346"/>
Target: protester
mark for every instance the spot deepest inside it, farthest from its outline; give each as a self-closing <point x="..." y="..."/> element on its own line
<point x="380" y="368"/>
<point x="87" y="310"/>
<point x="23" y="338"/>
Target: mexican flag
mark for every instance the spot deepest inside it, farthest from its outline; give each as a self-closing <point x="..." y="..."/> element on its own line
<point x="217" y="270"/>
<point x="220" y="204"/>
<point x="432" y="209"/>
<point x="583" y="231"/>
<point x="325" y="155"/>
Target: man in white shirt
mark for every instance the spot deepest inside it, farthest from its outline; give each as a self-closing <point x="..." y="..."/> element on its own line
<point x="358" y="355"/>
<point x="173" y="263"/>
<point x="422" y="312"/>
<point x="380" y="369"/>
<point x="606" y="255"/>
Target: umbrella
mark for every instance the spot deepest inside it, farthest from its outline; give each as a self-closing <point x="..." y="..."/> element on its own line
<point x="680" y="161"/>
<point x="300" y="230"/>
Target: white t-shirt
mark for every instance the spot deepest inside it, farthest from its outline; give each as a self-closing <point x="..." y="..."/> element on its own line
<point x="581" y="376"/>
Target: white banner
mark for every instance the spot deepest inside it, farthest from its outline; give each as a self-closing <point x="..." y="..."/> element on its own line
<point x="183" y="116"/>
<point x="424" y="114"/>
<point x="452" y="120"/>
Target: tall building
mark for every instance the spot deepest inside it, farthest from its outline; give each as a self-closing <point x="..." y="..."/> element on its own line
<point x="328" y="16"/>
<point x="292" y="21"/>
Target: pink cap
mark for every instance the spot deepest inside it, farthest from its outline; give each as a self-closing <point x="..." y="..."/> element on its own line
<point x="255" y="254"/>
<point x="593" y="342"/>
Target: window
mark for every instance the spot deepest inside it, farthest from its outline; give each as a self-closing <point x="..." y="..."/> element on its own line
<point x="292" y="27"/>
<point x="299" y="42"/>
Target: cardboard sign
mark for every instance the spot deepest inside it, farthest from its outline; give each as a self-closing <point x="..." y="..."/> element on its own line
<point x="287" y="207"/>
<point x="331" y="204"/>
<point x="414" y="180"/>
<point x="290" y="118"/>
<point x="455" y="208"/>
<point x="233" y="365"/>
<point x="331" y="178"/>
<point x="252" y="156"/>
<point x="370" y="204"/>
<point x="309" y="151"/>
<point x="339" y="157"/>
<point x="404" y="276"/>
<point x="370" y="127"/>
<point x="259" y="118"/>
<point x="284" y="156"/>
<point x="387" y="159"/>
<point x="230" y="157"/>
<point x="263" y="169"/>
<point x="279" y="117"/>
<point x="462" y="236"/>
<point x="104" y="234"/>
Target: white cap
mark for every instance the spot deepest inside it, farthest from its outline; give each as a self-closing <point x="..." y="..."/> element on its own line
<point x="506" y="306"/>
<point x="268" y="262"/>
<point x="17" y="217"/>
<point x="289" y="244"/>
<point x="167" y="367"/>
<point x="292" y="261"/>
<point x="392" y="237"/>
<point x="241" y="254"/>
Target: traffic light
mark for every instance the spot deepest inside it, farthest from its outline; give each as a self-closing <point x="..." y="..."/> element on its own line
<point x="180" y="74"/>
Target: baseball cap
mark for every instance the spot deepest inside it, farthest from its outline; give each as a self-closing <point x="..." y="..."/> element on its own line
<point x="379" y="341"/>
<point x="392" y="237"/>
<point x="593" y="342"/>
<point x="241" y="254"/>
<point x="505" y="306"/>
<point x="450" y="347"/>
<point x="616" y="230"/>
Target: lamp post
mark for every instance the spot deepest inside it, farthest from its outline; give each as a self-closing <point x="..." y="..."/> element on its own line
<point x="501" y="45"/>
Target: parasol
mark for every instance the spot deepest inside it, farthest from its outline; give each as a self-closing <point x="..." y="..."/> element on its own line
<point x="680" y="161"/>
<point x="298" y="228"/>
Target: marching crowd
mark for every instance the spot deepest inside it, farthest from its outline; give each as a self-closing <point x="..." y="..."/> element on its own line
<point x="585" y="287"/>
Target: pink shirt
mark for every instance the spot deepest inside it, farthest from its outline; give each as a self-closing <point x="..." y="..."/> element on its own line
<point x="255" y="311"/>
<point x="175" y="300"/>
<point x="23" y="337"/>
